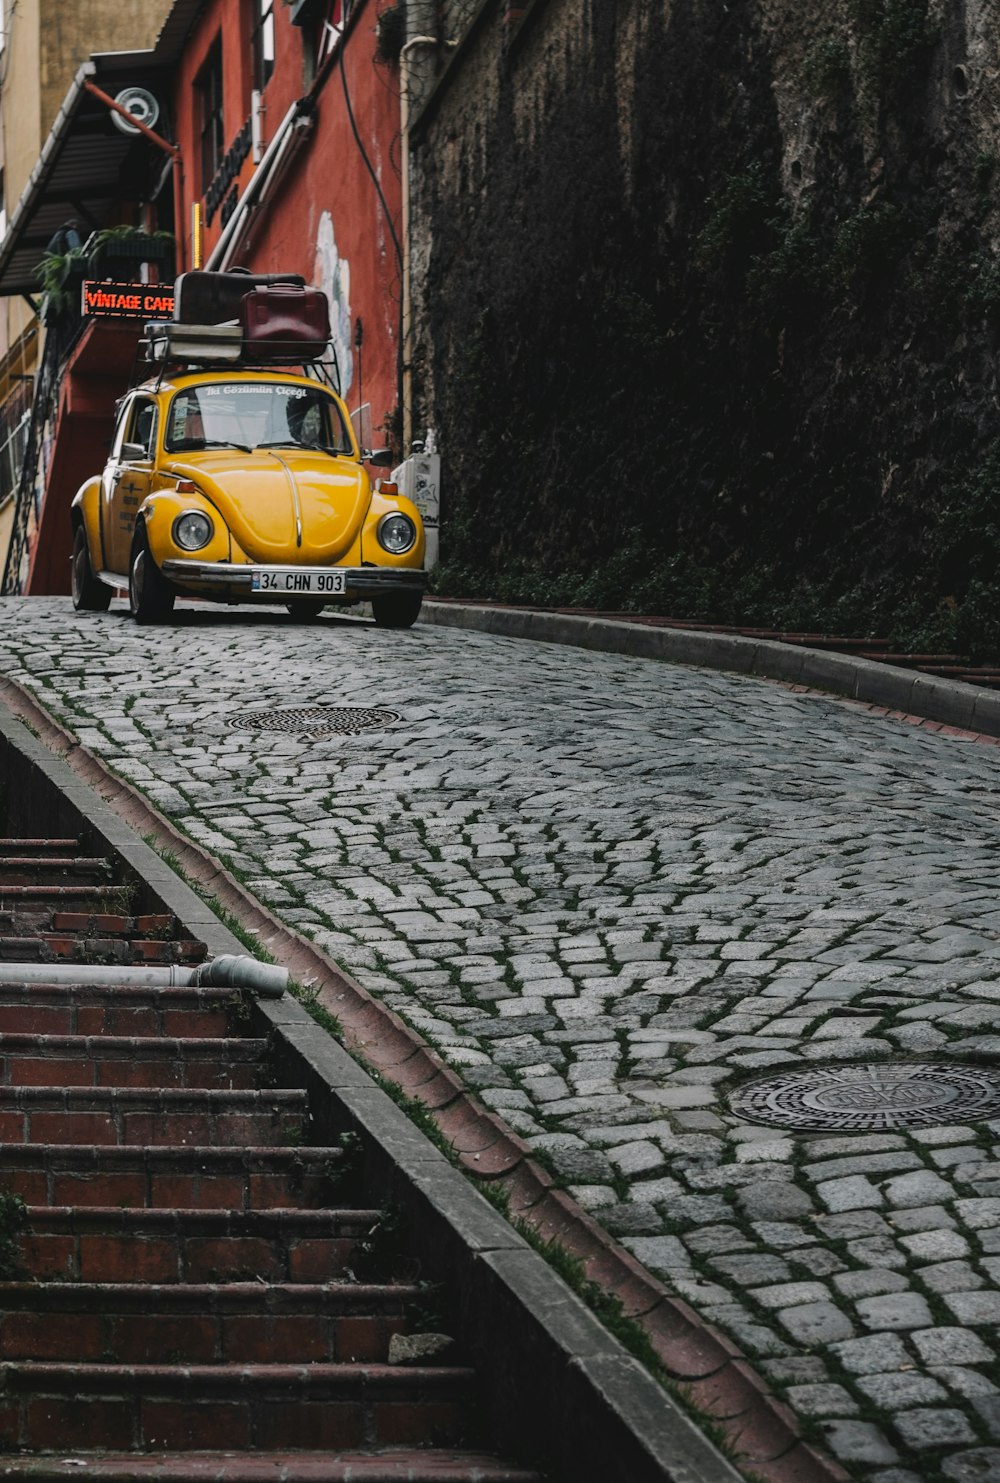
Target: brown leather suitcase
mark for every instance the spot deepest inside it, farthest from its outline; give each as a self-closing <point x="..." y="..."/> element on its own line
<point x="284" y="322"/>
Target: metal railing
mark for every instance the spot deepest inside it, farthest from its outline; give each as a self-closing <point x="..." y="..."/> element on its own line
<point x="31" y="473"/>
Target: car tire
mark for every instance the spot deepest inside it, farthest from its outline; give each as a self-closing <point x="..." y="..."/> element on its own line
<point x="90" y="595"/>
<point x="397" y="609"/>
<point x="305" y="612"/>
<point x="150" y="595"/>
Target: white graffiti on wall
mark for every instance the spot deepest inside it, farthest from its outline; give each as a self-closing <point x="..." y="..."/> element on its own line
<point x="332" y="273"/>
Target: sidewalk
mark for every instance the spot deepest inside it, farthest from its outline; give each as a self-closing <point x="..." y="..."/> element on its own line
<point x="904" y="694"/>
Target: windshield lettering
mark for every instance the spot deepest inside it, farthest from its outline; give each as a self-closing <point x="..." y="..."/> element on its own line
<point x="228" y="414"/>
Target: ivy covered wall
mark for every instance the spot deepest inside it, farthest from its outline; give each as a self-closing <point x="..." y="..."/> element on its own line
<point x="707" y="311"/>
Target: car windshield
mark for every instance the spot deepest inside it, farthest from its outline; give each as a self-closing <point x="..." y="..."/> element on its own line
<point x="257" y="414"/>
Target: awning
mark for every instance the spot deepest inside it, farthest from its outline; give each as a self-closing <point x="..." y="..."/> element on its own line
<point x="87" y="166"/>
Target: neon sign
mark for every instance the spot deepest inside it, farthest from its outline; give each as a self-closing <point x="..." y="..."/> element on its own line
<point x="128" y="300"/>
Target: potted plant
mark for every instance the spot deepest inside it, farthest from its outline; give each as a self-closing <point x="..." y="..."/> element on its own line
<point x="61" y="274"/>
<point x="114" y="249"/>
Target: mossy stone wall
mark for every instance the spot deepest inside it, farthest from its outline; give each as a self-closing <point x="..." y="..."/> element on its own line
<point x="707" y="311"/>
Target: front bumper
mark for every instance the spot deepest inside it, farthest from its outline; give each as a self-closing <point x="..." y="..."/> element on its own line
<point x="361" y="583"/>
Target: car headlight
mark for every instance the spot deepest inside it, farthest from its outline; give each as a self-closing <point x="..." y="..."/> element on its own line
<point x="192" y="530"/>
<point x="396" y="533"/>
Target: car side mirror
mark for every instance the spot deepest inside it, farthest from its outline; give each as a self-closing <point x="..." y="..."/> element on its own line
<point x="381" y="458"/>
<point x="134" y="450"/>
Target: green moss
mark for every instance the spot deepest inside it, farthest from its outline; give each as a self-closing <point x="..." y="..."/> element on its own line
<point x="868" y="244"/>
<point x="792" y="266"/>
<point x="895" y="41"/>
<point x="983" y="289"/>
<point x="984" y="172"/>
<point x="826" y="71"/>
<point x="739" y="220"/>
<point x="13" y="1219"/>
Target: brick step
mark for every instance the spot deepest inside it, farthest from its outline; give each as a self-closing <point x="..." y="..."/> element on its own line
<point x="968" y="672"/>
<point x="430" y="1465"/>
<point x="86" y="1408"/>
<point x="21" y="920"/>
<point x="832" y="641"/>
<point x="130" y="1061"/>
<point x="156" y="1176"/>
<point x="94" y="898"/>
<point x="202" y="1323"/>
<point x="131" y="1115"/>
<point x="66" y="1009"/>
<point x="116" y="924"/>
<point x="910" y="661"/>
<point x="99" y="1243"/>
<point x="46" y="947"/>
<point x="37" y="847"/>
<point x="53" y="870"/>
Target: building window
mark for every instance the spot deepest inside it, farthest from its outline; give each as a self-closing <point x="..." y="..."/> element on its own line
<point x="210" y="92"/>
<point x="144" y="425"/>
<point x="262" y="41"/>
<point x="15" y="419"/>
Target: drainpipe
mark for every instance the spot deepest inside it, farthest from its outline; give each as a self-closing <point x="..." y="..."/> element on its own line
<point x="421" y="20"/>
<point x="227" y="971"/>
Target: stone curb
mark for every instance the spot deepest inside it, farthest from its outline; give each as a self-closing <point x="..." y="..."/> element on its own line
<point x="951" y="702"/>
<point x="708" y="1370"/>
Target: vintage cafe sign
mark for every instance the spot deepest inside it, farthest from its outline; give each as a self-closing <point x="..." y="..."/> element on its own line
<point x="129" y="300"/>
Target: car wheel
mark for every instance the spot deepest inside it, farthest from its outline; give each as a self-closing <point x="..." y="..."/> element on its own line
<point x="89" y="594"/>
<point x="305" y="611"/>
<point x="397" y="609"/>
<point x="150" y="595"/>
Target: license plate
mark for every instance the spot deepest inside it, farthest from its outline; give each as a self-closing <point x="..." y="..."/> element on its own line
<point x="297" y="584"/>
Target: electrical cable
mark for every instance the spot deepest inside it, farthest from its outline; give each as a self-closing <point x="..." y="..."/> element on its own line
<point x="368" y="164"/>
<point x="385" y="210"/>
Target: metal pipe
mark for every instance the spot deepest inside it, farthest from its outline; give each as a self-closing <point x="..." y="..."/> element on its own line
<point x="405" y="88"/>
<point x="227" y="971"/>
<point x="136" y="123"/>
<point x="242" y="972"/>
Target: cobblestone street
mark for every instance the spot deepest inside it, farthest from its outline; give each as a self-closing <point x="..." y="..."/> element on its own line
<point x="611" y="891"/>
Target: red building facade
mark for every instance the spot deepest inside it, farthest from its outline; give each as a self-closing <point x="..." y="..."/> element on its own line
<point x="289" y="140"/>
<point x="276" y="148"/>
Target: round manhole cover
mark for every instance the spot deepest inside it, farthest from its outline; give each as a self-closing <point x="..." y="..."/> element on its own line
<point x="867" y="1098"/>
<point x="314" y="720"/>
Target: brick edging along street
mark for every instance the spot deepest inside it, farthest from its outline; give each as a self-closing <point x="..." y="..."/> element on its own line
<point x="708" y="1369"/>
<point x="905" y="691"/>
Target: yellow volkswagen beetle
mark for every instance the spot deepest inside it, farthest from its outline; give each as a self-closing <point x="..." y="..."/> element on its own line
<point x="243" y="486"/>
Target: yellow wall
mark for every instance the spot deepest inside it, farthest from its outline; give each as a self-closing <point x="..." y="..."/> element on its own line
<point x="46" y="41"/>
<point x="6" y="521"/>
<point x="70" y="30"/>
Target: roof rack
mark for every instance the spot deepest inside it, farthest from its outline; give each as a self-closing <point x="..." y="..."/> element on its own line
<point x="244" y="320"/>
<point x="167" y="341"/>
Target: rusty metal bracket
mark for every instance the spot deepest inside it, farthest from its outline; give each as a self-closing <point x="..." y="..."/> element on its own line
<point x="164" y="144"/>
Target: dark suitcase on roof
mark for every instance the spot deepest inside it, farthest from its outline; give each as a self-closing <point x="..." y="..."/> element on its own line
<point x="204" y="297"/>
<point x="284" y="322"/>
